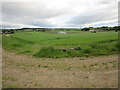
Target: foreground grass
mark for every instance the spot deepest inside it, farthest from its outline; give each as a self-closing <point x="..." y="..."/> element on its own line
<point x="52" y="45"/>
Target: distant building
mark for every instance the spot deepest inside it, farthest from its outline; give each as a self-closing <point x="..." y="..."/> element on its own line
<point x="62" y="32"/>
<point x="98" y="30"/>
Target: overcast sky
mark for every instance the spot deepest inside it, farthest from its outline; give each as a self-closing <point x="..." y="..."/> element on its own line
<point x="59" y="13"/>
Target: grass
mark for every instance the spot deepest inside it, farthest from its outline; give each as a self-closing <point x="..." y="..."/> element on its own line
<point x="48" y="52"/>
<point x="9" y="78"/>
<point x="51" y="45"/>
<point x="11" y="86"/>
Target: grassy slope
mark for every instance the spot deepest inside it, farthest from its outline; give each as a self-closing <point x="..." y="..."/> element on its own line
<point x="102" y="43"/>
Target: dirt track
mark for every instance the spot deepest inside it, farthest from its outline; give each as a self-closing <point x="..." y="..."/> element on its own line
<point x="27" y="72"/>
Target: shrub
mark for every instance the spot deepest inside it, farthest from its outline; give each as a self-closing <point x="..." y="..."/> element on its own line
<point x="48" y="52"/>
<point x="26" y="51"/>
<point x="103" y="52"/>
<point x="87" y="50"/>
<point x="78" y="48"/>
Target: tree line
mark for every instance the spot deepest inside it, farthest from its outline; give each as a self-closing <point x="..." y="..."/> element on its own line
<point x="103" y="28"/>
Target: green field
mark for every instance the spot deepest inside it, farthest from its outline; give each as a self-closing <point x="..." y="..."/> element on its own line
<point x="49" y="44"/>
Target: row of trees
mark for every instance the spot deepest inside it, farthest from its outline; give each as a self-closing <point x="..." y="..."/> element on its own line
<point x="103" y="28"/>
<point x="7" y="31"/>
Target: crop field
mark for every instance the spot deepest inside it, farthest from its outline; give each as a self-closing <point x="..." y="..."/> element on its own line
<point x="55" y="45"/>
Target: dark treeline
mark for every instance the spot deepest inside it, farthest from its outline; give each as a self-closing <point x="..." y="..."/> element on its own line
<point x="103" y="28"/>
<point x="7" y="31"/>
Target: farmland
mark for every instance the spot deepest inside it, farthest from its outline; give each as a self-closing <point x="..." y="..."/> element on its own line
<point x="86" y="43"/>
<point x="55" y="60"/>
<point x="60" y="44"/>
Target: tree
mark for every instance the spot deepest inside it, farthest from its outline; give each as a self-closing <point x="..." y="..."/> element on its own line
<point x="85" y="29"/>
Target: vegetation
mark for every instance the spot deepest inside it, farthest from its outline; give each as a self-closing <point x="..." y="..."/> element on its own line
<point x="8" y="31"/>
<point x="10" y="86"/>
<point x="103" y="28"/>
<point x="55" y="45"/>
<point x="50" y="65"/>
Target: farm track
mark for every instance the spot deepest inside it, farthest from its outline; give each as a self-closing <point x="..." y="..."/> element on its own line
<point x="28" y="72"/>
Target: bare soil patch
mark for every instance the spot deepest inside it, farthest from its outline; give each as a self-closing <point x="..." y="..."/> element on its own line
<point x="28" y="72"/>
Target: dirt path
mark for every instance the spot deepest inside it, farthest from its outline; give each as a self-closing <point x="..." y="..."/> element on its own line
<point x="27" y="72"/>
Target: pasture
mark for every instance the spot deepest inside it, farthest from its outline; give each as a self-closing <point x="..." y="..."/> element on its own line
<point x="55" y="45"/>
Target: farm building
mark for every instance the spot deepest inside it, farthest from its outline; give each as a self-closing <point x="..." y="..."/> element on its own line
<point x="62" y="32"/>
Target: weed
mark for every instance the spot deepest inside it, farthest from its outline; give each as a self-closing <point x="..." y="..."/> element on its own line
<point x="9" y="78"/>
<point x="11" y="86"/>
<point x="48" y="52"/>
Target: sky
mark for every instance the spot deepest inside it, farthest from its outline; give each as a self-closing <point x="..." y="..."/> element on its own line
<point x="58" y="13"/>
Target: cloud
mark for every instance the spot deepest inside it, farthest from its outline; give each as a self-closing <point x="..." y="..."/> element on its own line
<point x="58" y="13"/>
<point x="94" y="17"/>
<point x="103" y="13"/>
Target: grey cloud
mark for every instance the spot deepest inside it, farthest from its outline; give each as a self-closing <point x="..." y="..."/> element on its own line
<point x="109" y="13"/>
<point x="91" y="18"/>
<point x="38" y="13"/>
<point x="28" y="13"/>
<point x="35" y="9"/>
